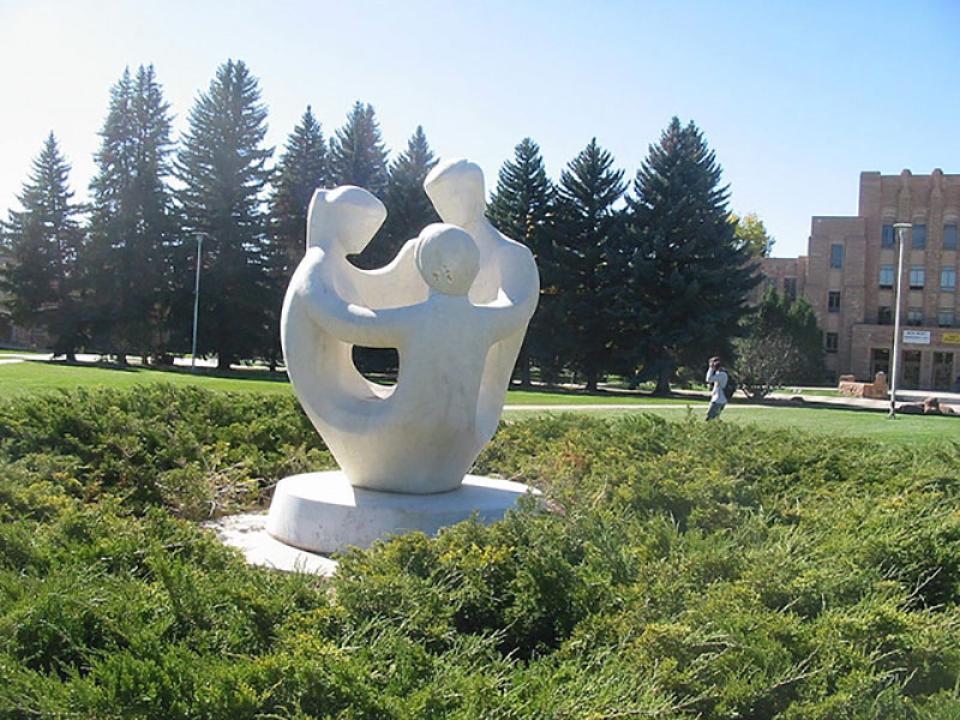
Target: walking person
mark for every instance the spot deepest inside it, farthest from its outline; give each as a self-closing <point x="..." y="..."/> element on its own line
<point x="716" y="377"/>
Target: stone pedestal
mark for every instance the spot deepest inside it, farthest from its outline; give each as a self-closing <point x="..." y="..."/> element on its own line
<point x="322" y="513"/>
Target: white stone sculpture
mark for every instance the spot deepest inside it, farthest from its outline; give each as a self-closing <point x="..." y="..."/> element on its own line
<point x="455" y="303"/>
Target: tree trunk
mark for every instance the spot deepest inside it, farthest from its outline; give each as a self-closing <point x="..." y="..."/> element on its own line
<point x="223" y="362"/>
<point x="663" y="381"/>
<point x="592" y="381"/>
<point x="524" y="361"/>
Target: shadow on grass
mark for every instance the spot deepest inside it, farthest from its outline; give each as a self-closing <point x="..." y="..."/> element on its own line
<point x="262" y="375"/>
<point x="606" y="392"/>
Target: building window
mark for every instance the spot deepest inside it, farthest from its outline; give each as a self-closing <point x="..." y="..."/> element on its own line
<point x="880" y="361"/>
<point x="884" y="315"/>
<point x="836" y="256"/>
<point x="915" y="316"/>
<point x="833" y="301"/>
<point x="832" y="342"/>
<point x="790" y="288"/>
<point x="918" y="276"/>
<point x="886" y="237"/>
<point x="949" y="237"/>
<point x="945" y="318"/>
<point x="919" y="237"/>
<point x="886" y="276"/>
<point x="911" y="368"/>
<point x="948" y="279"/>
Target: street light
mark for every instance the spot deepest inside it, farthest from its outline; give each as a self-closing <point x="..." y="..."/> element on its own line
<point x="901" y="229"/>
<point x="196" y="304"/>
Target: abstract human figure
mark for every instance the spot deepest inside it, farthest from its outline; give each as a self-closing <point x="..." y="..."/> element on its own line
<point x="422" y="437"/>
<point x="342" y="404"/>
<point x="508" y="273"/>
<point x="321" y="369"/>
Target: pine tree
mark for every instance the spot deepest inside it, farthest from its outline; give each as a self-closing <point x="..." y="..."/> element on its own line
<point x="357" y="154"/>
<point x="408" y="207"/>
<point x="696" y="276"/>
<point x="133" y="224"/>
<point x="585" y="233"/>
<point x="522" y="209"/>
<point x="45" y="243"/>
<point x="222" y="165"/>
<point x="301" y="170"/>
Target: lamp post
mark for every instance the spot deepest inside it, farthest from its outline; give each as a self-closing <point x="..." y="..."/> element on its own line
<point x="901" y="229"/>
<point x="196" y="304"/>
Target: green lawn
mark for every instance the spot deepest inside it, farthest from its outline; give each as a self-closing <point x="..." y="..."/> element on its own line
<point x="560" y="397"/>
<point x="30" y="377"/>
<point x="905" y="430"/>
<point x="27" y="377"/>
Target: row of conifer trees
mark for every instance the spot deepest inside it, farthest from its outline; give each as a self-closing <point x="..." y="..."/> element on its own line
<point x="644" y="276"/>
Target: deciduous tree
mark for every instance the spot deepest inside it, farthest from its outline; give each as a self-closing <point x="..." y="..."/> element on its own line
<point x="751" y="233"/>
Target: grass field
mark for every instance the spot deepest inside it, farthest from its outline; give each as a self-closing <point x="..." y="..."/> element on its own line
<point x="31" y="377"/>
<point x="905" y="430"/>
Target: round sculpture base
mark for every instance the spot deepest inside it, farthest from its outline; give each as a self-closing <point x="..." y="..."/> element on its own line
<point x="322" y="512"/>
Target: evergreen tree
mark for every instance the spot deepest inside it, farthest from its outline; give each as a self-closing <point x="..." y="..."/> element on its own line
<point x="222" y="165"/>
<point x="357" y="154"/>
<point x="301" y="170"/>
<point x="45" y="243"/>
<point x="132" y="225"/>
<point x="584" y="237"/>
<point x="408" y="207"/>
<point x="694" y="273"/>
<point x="522" y="209"/>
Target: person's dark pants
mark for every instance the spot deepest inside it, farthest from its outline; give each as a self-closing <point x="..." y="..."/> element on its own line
<point x="715" y="409"/>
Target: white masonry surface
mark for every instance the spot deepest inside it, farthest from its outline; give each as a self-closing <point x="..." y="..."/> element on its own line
<point x="455" y="303"/>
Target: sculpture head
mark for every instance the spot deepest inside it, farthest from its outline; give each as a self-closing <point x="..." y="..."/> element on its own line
<point x="447" y="258"/>
<point x="455" y="187"/>
<point x="348" y="215"/>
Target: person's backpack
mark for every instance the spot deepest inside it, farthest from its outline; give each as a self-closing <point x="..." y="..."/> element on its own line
<point x="731" y="387"/>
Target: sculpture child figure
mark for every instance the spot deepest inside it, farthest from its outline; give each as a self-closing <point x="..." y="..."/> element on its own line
<point x="426" y="428"/>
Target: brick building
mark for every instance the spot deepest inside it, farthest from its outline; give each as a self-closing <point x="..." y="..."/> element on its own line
<point x="849" y="276"/>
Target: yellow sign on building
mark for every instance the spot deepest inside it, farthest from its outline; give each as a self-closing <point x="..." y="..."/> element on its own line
<point x="950" y="338"/>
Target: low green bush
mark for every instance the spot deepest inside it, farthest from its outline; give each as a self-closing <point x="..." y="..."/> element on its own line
<point x="672" y="570"/>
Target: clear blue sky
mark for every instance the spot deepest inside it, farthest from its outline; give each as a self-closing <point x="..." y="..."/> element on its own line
<point x="796" y="97"/>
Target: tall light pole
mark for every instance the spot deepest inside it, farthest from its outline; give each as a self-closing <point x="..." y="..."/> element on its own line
<point x="196" y="304"/>
<point x="901" y="229"/>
